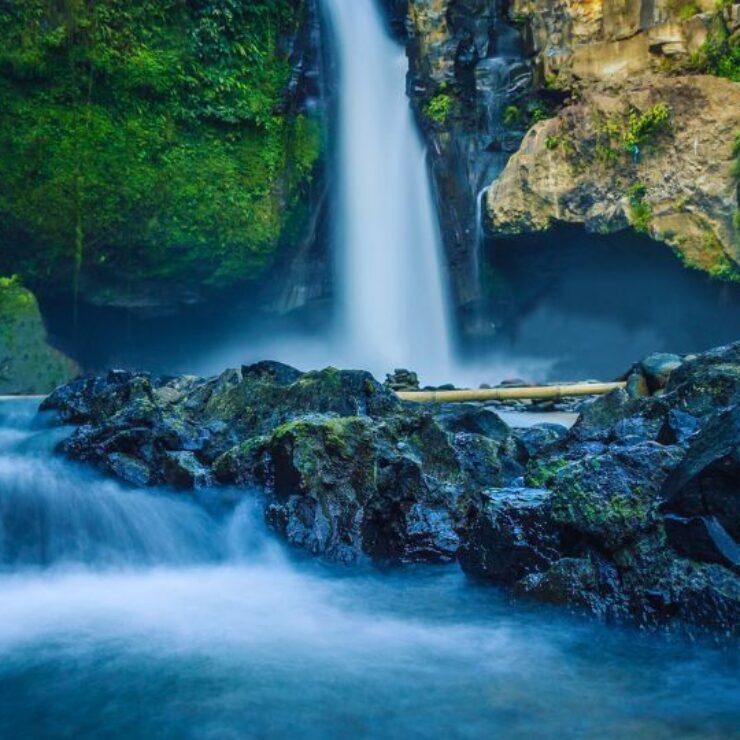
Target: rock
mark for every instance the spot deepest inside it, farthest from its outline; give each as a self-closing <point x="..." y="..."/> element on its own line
<point x="512" y="535"/>
<point x="677" y="427"/>
<point x="704" y="539"/>
<point x="28" y="363"/>
<point x="129" y="469"/>
<point x="540" y="436"/>
<point x="585" y="582"/>
<point x="612" y="498"/>
<point x="631" y="513"/>
<point x="182" y="470"/>
<point x="402" y="380"/>
<point x="686" y="195"/>
<point x="707" y="482"/>
<point x="637" y="385"/>
<point x="658" y="368"/>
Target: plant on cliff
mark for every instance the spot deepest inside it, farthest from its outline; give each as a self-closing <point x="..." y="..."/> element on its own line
<point x="630" y="133"/>
<point x="720" y="53"/>
<point x="147" y="138"/>
<point x="641" y="212"/>
<point x="439" y="108"/>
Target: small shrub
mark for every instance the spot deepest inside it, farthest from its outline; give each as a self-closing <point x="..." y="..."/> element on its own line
<point x="439" y="108"/>
<point x="641" y="212"/>
<point x="552" y="142"/>
<point x="644" y="128"/>
<point x="511" y="115"/>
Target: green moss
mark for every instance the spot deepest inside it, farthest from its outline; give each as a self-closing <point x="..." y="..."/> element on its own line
<point x="641" y="212"/>
<point x="540" y="473"/>
<point x="147" y="138"/>
<point x="439" y="108"/>
<point x="552" y="142"/>
<point x="511" y="115"/>
<point x="720" y="53"/>
<point x="27" y="363"/>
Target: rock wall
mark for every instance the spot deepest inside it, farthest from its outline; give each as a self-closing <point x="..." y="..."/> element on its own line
<point x="466" y="65"/>
<point x="28" y="365"/>
<point x="600" y="161"/>
<point x="678" y="188"/>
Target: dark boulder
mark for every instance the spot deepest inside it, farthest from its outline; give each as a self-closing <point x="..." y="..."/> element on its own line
<point x="658" y="368"/>
<point x="704" y="539"/>
<point x="707" y="482"/>
<point x="613" y="497"/>
<point x="511" y="535"/>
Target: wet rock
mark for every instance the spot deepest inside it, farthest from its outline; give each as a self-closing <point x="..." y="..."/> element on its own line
<point x="584" y="582"/>
<point x="613" y="497"/>
<point x="704" y="539"/>
<point x="677" y="427"/>
<point x="637" y="385"/>
<point x="402" y="380"/>
<point x="183" y="470"/>
<point x="707" y="483"/>
<point x="538" y="437"/>
<point x="129" y="469"/>
<point x="511" y="535"/>
<point x="658" y="369"/>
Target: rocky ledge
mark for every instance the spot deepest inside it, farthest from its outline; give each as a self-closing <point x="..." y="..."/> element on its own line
<point x="656" y="154"/>
<point x="632" y="514"/>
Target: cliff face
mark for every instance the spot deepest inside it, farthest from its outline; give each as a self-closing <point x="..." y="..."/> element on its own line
<point x="638" y="143"/>
<point x="676" y="186"/>
<point x="154" y="153"/>
<point x="27" y="363"/>
<point x="610" y="39"/>
<point x="466" y="66"/>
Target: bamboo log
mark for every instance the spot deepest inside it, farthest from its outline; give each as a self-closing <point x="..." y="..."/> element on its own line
<point x="510" y="394"/>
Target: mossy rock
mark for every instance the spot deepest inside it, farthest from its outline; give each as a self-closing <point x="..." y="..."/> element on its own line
<point x="28" y="365"/>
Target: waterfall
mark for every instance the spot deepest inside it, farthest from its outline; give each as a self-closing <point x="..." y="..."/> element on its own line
<point x="392" y="300"/>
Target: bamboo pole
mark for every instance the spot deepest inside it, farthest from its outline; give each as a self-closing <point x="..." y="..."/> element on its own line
<point x="510" y="394"/>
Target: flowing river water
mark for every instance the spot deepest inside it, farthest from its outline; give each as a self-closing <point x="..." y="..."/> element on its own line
<point x="129" y="613"/>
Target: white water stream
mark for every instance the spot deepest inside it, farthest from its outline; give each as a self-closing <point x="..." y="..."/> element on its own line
<point x="393" y="307"/>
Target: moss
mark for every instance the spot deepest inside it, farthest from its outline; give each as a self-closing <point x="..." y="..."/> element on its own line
<point x="27" y="363"/>
<point x="148" y="138"/>
<point x="720" y="53"/>
<point x="540" y="473"/>
<point x="641" y="212"/>
<point x="511" y="115"/>
<point x="439" y="108"/>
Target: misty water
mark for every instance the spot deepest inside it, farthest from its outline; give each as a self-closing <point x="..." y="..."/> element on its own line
<point x="130" y="613"/>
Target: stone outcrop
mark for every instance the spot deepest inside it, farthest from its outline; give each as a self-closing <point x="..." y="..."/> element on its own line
<point x="632" y="514"/>
<point x="610" y="40"/>
<point x="466" y="65"/>
<point x="591" y="164"/>
<point x="28" y="364"/>
<point x="678" y="186"/>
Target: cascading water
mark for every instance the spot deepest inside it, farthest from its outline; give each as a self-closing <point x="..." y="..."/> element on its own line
<point x="392" y="300"/>
<point x="137" y="613"/>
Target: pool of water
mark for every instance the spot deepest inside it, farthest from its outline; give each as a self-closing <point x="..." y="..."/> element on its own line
<point x="136" y="614"/>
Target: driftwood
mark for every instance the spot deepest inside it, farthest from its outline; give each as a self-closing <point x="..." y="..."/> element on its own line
<point x="511" y="393"/>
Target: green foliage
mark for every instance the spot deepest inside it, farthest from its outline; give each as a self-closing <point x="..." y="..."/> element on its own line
<point x="552" y="142"/>
<point x="631" y="133"/>
<point x="641" y="212"/>
<point x="537" y="111"/>
<point x="684" y="9"/>
<point x="147" y="136"/>
<point x="720" y="53"/>
<point x="439" y="108"/>
<point x="511" y="115"/>
<point x="645" y="127"/>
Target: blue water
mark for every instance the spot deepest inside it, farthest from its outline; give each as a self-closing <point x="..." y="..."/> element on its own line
<point x="134" y="614"/>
